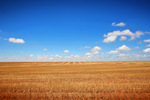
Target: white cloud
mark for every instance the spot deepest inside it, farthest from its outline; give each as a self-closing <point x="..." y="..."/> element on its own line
<point x="87" y="47"/>
<point x="123" y="55"/>
<point x="147" y="45"/>
<point x="42" y="57"/>
<point x="138" y="55"/>
<point x="87" y="57"/>
<point x="147" y="32"/>
<point x="88" y="54"/>
<point x="146" y="50"/>
<point x="76" y="56"/>
<point x="57" y="57"/>
<point x="96" y="50"/>
<point x="31" y="55"/>
<point x="140" y="42"/>
<point x="13" y="40"/>
<point x="123" y="48"/>
<point x="123" y="38"/>
<point x="113" y="52"/>
<point x="66" y="51"/>
<point x="148" y="40"/>
<point x="110" y="39"/>
<point x="138" y="34"/>
<point x="112" y="36"/>
<point x="28" y="56"/>
<point x="69" y="56"/>
<point x="51" y="58"/>
<point x="113" y="24"/>
<point x="45" y="49"/>
<point x="118" y="24"/>
<point x="136" y="48"/>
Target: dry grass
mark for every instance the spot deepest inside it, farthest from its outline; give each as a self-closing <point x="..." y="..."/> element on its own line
<point x="75" y="80"/>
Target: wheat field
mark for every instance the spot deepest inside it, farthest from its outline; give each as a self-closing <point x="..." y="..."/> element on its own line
<point x="120" y="80"/>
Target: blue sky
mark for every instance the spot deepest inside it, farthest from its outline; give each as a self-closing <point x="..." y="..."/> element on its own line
<point x="73" y="30"/>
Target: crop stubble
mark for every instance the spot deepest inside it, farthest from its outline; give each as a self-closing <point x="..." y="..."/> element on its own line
<point x="120" y="80"/>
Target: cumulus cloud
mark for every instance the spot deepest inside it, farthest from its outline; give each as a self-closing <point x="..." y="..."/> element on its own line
<point x="118" y="24"/>
<point x="56" y="57"/>
<point x="31" y="55"/>
<point x="96" y="50"/>
<point x="147" y="45"/>
<point x="88" y="54"/>
<point x="138" y="34"/>
<point x="147" y="32"/>
<point x="112" y="36"/>
<point x="16" y="40"/>
<point x="110" y="39"/>
<point x="123" y="55"/>
<point x="28" y="56"/>
<point x="146" y="50"/>
<point x="138" y="55"/>
<point x="123" y="48"/>
<point x="66" y="51"/>
<point x="87" y="47"/>
<point x="148" y="40"/>
<point x="86" y="57"/>
<point x="45" y="49"/>
<point x="123" y="38"/>
<point x="113" y="52"/>
<point x="76" y="56"/>
<point x="140" y="42"/>
<point x="42" y="57"/>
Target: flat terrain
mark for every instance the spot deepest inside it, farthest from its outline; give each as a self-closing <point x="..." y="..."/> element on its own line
<point x="75" y="80"/>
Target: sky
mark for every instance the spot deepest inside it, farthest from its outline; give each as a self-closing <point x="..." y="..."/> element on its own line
<point x="74" y="30"/>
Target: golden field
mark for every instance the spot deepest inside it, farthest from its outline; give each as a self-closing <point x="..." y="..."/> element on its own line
<point x="120" y="80"/>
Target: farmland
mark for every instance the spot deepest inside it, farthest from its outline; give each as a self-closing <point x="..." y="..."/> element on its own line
<point x="118" y="80"/>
